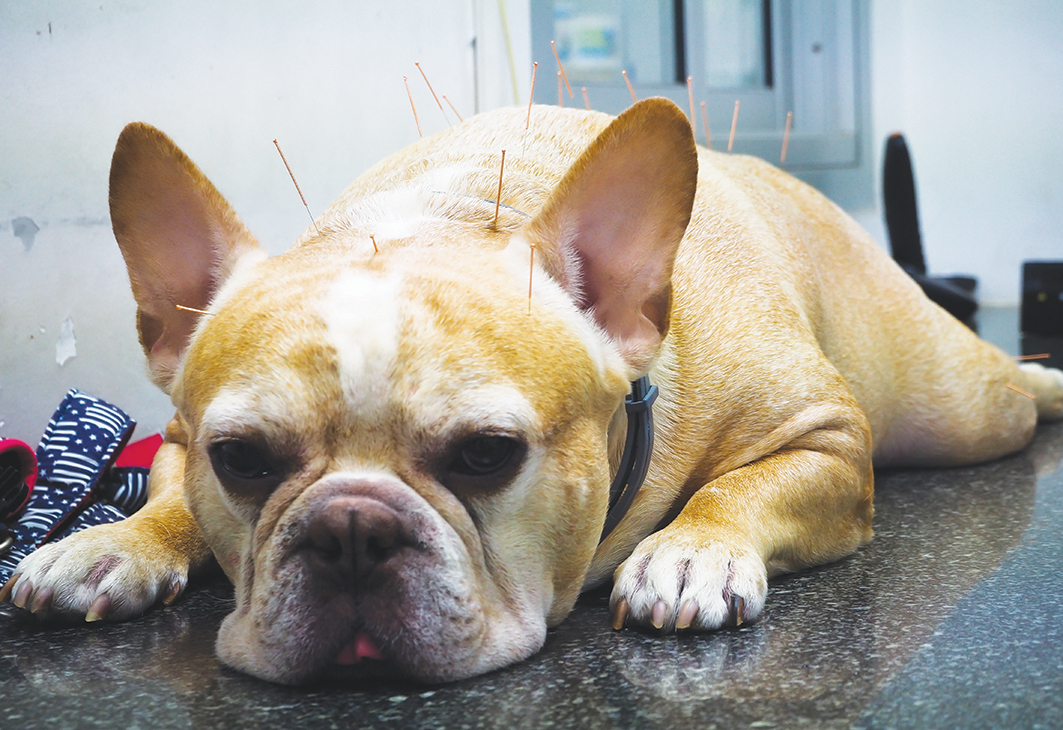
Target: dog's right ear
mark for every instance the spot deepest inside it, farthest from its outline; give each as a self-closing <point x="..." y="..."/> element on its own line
<point x="179" y="237"/>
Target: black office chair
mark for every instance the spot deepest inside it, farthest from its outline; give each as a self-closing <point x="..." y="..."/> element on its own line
<point x="956" y="294"/>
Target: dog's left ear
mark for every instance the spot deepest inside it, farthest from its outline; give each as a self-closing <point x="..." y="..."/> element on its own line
<point x="610" y="231"/>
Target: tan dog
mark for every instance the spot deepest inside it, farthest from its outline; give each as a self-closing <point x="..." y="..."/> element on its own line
<point x="402" y="455"/>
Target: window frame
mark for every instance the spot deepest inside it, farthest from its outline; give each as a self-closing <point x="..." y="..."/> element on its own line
<point x="819" y="69"/>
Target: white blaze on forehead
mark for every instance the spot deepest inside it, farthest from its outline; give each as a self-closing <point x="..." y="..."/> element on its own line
<point x="361" y="315"/>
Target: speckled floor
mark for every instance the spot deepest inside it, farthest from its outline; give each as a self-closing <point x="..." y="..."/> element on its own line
<point x="950" y="618"/>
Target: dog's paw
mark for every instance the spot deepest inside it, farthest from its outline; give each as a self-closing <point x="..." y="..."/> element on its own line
<point x="111" y="572"/>
<point x="675" y="581"/>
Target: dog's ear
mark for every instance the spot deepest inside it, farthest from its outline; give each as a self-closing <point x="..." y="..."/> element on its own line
<point x="610" y="231"/>
<point x="179" y="237"/>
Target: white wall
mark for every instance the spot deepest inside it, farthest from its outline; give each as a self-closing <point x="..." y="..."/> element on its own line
<point x="977" y="88"/>
<point x="974" y="84"/>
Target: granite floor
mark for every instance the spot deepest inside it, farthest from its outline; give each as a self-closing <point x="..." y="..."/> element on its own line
<point x="950" y="618"/>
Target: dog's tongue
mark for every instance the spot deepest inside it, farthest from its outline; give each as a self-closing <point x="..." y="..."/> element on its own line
<point x="361" y="648"/>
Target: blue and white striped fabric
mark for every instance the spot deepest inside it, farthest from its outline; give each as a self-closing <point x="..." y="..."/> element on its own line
<point x="76" y="488"/>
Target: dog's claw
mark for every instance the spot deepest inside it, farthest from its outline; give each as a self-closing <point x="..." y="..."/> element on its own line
<point x="5" y="592"/>
<point x="175" y="592"/>
<point x="98" y="610"/>
<point x="22" y="593"/>
<point x="687" y="612"/>
<point x="657" y="614"/>
<point x="738" y="608"/>
<point x="42" y="602"/>
<point x="620" y="614"/>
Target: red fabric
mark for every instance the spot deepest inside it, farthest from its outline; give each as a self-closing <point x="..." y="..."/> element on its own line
<point x="140" y="453"/>
<point x="27" y="459"/>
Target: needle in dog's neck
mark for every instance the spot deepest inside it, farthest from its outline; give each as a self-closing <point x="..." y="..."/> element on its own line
<point x="193" y="309"/>
<point x="786" y="137"/>
<point x="705" y="122"/>
<point x="452" y="108"/>
<point x="498" y="198"/>
<point x="531" y="270"/>
<point x="690" y="96"/>
<point x="527" y="120"/>
<point x="561" y="70"/>
<point x="734" y="124"/>
<point x="438" y="103"/>
<point x="412" y="106"/>
<point x="630" y="88"/>
<point x="297" y="189"/>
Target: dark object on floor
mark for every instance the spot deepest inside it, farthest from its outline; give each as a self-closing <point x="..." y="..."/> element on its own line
<point x="954" y="293"/>
<point x="1042" y="311"/>
<point x="1042" y="298"/>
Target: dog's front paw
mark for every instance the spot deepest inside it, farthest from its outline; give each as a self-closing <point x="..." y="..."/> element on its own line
<point x="112" y="572"/>
<point x="676" y="581"/>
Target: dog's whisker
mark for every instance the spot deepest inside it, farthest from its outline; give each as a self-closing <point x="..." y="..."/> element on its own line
<point x="734" y="125"/>
<point x="438" y="103"/>
<point x="786" y="137"/>
<point x="586" y="99"/>
<point x="413" y="106"/>
<point x="705" y="123"/>
<point x="498" y="198"/>
<point x="1020" y="391"/>
<point x="297" y="188"/>
<point x="193" y="309"/>
<point x="629" y="86"/>
<point x="561" y="70"/>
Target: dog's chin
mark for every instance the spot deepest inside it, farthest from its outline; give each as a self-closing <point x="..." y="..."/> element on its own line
<point x="356" y="653"/>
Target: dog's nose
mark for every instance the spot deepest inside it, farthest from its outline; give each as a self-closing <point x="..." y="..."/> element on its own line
<point x="356" y="534"/>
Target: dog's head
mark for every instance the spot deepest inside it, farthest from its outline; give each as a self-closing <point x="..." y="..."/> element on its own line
<point x="398" y="454"/>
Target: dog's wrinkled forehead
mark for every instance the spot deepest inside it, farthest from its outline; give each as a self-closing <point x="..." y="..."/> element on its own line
<point x="397" y="345"/>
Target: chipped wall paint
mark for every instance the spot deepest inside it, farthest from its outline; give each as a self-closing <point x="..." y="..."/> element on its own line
<point x="66" y="346"/>
<point x="25" y="230"/>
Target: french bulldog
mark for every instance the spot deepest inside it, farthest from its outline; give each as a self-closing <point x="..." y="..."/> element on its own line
<point x="397" y="439"/>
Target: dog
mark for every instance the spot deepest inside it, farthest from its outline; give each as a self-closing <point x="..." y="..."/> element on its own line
<point x="398" y="438"/>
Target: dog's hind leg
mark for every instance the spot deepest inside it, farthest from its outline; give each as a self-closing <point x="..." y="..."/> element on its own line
<point x="965" y="403"/>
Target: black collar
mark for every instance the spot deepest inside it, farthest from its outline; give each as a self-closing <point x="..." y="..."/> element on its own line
<point x="638" y="448"/>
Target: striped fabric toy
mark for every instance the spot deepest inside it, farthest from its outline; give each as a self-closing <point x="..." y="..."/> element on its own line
<point x="77" y="485"/>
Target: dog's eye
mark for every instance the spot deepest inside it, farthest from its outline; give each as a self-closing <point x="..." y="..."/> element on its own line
<point x="241" y="462"/>
<point x="485" y="460"/>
